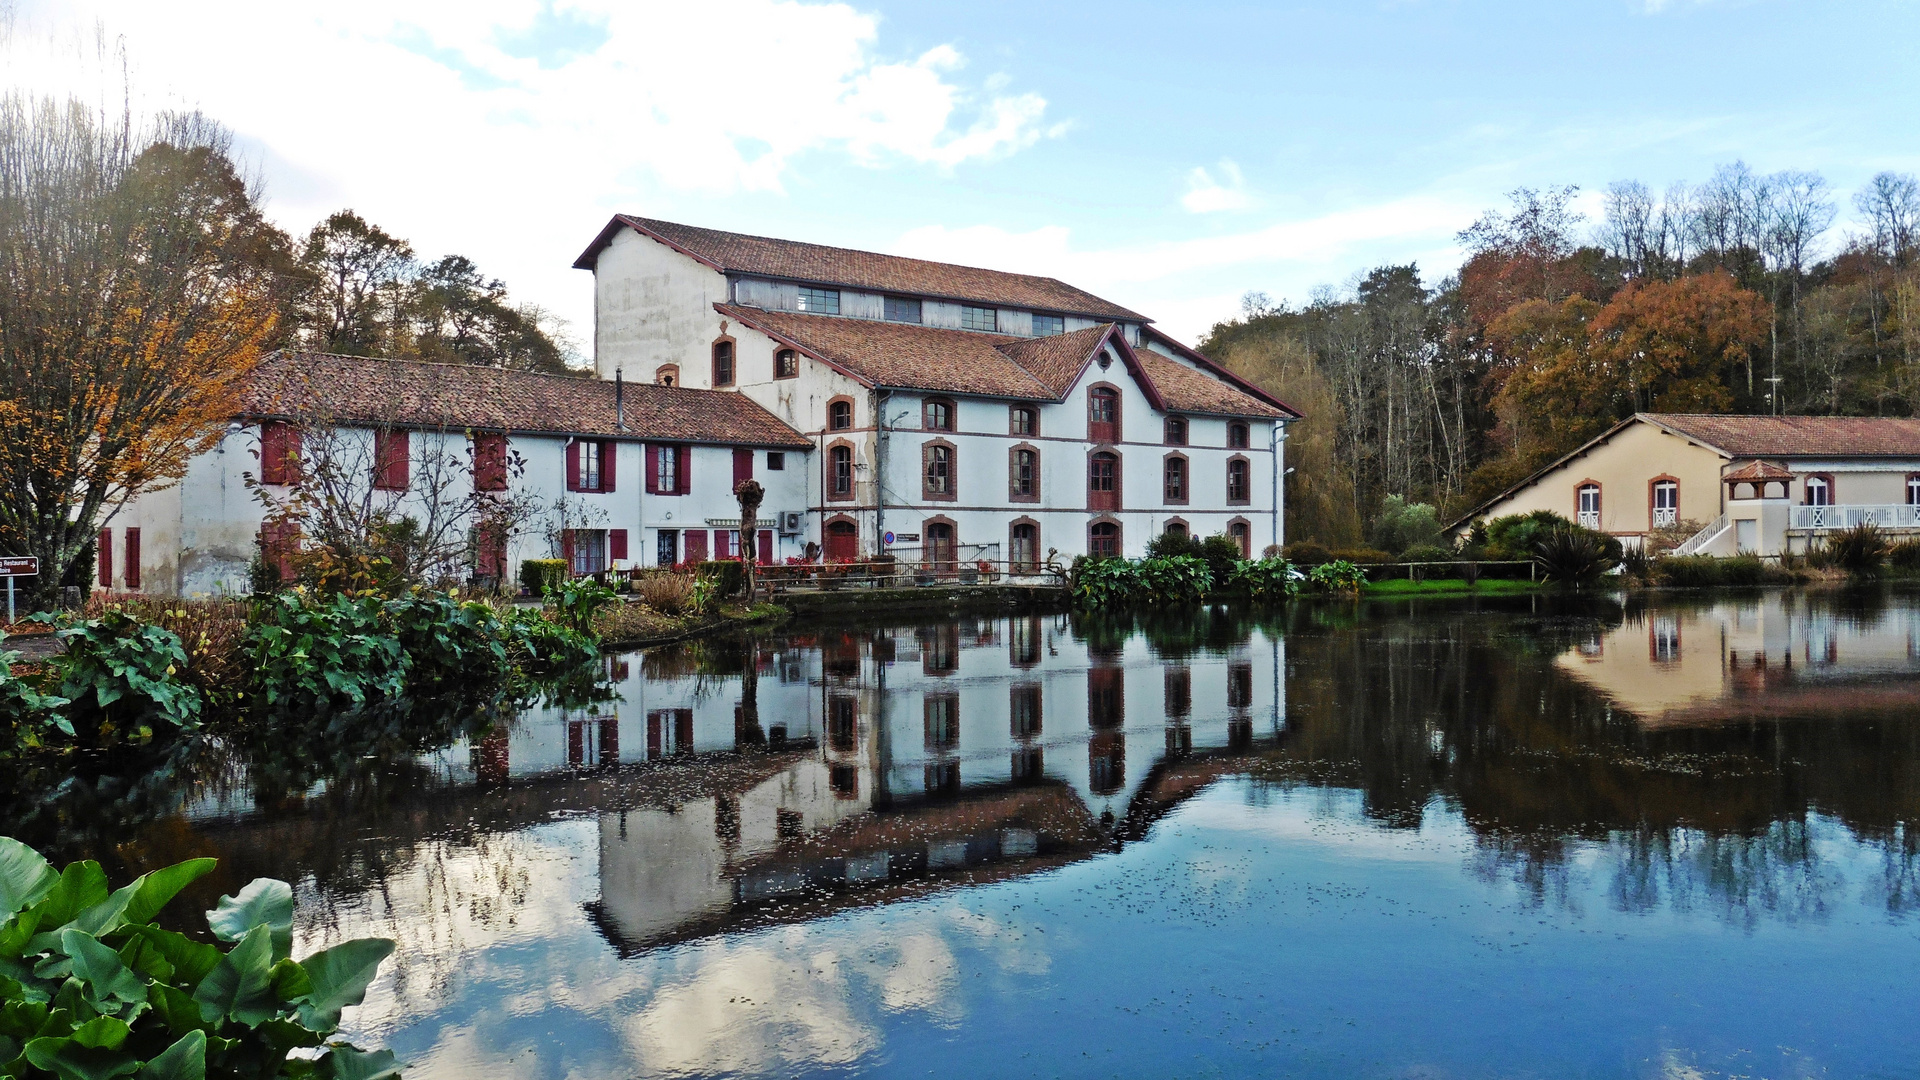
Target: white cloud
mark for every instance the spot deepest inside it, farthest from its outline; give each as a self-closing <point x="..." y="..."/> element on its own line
<point x="1206" y="195"/>
<point x="507" y="129"/>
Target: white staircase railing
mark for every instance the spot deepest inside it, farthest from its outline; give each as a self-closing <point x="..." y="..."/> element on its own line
<point x="1701" y="539"/>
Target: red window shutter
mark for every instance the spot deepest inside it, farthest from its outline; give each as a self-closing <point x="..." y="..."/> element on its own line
<point x="566" y="548"/>
<point x="609" y="450"/>
<point x="742" y="465"/>
<point x="573" y="465"/>
<point x="766" y="547"/>
<point x="273" y="452"/>
<point x="651" y="481"/>
<point x="489" y="461"/>
<point x="104" y="545"/>
<point x="616" y="543"/>
<point x="390" y="453"/>
<point x="133" y="560"/>
<point x="696" y="545"/>
<point x="682" y="470"/>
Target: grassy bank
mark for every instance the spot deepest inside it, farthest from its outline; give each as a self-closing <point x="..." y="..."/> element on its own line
<point x="637" y="626"/>
<point x="1448" y="587"/>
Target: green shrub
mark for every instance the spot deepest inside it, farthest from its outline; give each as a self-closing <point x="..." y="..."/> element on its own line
<point x="729" y="576"/>
<point x="1102" y="582"/>
<point x="1180" y="579"/>
<point x="1339" y="575"/>
<point x="453" y="648"/>
<point x="539" y="575"/>
<point x="669" y="592"/>
<point x="537" y="645"/>
<point x="1401" y="525"/>
<point x="93" y="989"/>
<point x="1706" y="571"/>
<point x="1222" y="554"/>
<point x="1169" y="544"/>
<point x="1271" y="578"/>
<point x="1306" y="553"/>
<point x="25" y="712"/>
<point x="1905" y="555"/>
<point x="121" y="679"/>
<point x="1513" y="536"/>
<point x="318" y="656"/>
<point x="1362" y="556"/>
<point x="1427" y="553"/>
<point x="1860" y="550"/>
<point x="1573" y="555"/>
<point x="575" y="601"/>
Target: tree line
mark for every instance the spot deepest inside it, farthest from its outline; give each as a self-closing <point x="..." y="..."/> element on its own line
<point x="1730" y="296"/>
<point x="140" y="281"/>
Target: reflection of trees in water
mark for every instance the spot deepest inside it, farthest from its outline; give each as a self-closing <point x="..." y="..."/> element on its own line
<point x="1721" y="818"/>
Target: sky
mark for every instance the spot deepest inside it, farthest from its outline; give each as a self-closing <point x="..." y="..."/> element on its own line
<point x="1169" y="157"/>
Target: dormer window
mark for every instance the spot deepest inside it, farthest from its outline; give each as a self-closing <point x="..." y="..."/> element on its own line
<point x="1048" y="325"/>
<point x="979" y="318"/>
<point x="903" y="309"/>
<point x="819" y="301"/>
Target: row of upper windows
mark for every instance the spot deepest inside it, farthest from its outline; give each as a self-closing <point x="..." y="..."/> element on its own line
<point x="1664" y="498"/>
<point x="1103" y="419"/>
<point x="910" y="309"/>
<point x="939" y="478"/>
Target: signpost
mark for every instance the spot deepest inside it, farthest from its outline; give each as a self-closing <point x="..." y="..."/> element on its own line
<point x="17" y="566"/>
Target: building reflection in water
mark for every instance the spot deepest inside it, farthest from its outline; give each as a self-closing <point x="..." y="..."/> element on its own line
<point x="893" y="761"/>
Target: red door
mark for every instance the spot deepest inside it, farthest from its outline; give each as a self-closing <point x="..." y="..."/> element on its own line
<point x="696" y="541"/>
<point x="766" y="547"/>
<point x="843" y="541"/>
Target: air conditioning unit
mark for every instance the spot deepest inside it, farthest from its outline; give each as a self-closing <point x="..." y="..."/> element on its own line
<point x="790" y="523"/>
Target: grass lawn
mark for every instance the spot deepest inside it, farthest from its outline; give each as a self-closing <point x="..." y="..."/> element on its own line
<point x="1445" y="587"/>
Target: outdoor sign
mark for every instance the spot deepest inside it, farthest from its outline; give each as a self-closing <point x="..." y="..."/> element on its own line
<point x="909" y="538"/>
<point x="13" y="566"/>
<point x="887" y="538"/>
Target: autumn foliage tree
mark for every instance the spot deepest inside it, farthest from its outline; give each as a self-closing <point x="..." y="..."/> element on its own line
<point x="137" y="286"/>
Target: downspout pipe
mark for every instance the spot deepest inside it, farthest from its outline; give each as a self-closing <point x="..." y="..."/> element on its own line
<point x="1279" y="444"/>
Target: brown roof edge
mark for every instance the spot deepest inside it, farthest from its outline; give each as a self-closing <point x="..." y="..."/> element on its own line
<point x="1134" y="367"/>
<point x="1222" y="373"/>
<point x="591" y="256"/>
<point x="1563" y="459"/>
<point x="745" y="315"/>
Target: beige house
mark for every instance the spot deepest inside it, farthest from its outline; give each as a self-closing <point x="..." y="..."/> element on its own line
<point x="1762" y="484"/>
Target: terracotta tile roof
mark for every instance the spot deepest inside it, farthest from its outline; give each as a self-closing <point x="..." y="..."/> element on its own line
<point x="1058" y="360"/>
<point x="353" y="388"/>
<point x="817" y="263"/>
<point x="1796" y="436"/>
<point x="902" y="355"/>
<point x="1187" y="390"/>
<point x="1758" y="470"/>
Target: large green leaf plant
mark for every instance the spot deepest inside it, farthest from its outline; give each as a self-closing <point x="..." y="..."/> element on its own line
<point x="91" y="989"/>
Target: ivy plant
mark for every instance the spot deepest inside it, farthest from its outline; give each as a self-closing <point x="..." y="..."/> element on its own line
<point x="91" y="989"/>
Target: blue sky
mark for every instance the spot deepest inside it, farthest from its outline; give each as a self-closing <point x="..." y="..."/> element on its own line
<point x="1168" y="157"/>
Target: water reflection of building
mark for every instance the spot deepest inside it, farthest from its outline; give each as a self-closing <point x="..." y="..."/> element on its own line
<point x="886" y="762"/>
<point x="1774" y="654"/>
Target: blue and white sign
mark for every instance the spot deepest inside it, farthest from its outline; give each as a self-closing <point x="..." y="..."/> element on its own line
<point x="887" y="537"/>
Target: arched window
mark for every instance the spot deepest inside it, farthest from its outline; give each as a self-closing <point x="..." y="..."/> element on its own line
<point x="1239" y="484"/>
<point x="1103" y="540"/>
<point x="723" y="363"/>
<point x="667" y="375"/>
<point x="1023" y="548"/>
<point x="1237" y="435"/>
<point x="936" y="414"/>
<point x="1103" y="481"/>
<point x="1175" y="527"/>
<point x="839" y="414"/>
<point x="1023" y="474"/>
<point x="1587" y="505"/>
<point x="1103" y="415"/>
<point x="786" y="364"/>
<point x="1174" y="479"/>
<point x="1819" y="491"/>
<point x="1025" y="420"/>
<point x="840" y="472"/>
<point x="1666" y="503"/>
<point x="1241" y="533"/>
<point x="1176" y="431"/>
<point x="936" y="459"/>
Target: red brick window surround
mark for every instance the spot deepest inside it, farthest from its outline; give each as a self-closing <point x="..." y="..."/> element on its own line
<point x="938" y="471"/>
<point x="1023" y="473"/>
<point x="1239" y="481"/>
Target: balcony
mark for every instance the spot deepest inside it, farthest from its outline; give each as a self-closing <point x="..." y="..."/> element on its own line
<point x="1889" y="516"/>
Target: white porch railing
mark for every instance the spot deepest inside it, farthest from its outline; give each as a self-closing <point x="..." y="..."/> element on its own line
<point x="1589" y="519"/>
<point x="1824" y="518"/>
<point x="1702" y="538"/>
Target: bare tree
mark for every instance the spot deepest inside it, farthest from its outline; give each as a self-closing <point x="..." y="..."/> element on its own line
<point x="1891" y="204"/>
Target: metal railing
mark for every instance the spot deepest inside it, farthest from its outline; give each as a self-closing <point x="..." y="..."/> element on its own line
<point x="1823" y="518"/>
<point x="900" y="574"/>
<point x="1702" y="538"/>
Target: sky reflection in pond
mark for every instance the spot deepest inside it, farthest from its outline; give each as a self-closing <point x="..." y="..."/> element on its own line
<point x="1516" y="838"/>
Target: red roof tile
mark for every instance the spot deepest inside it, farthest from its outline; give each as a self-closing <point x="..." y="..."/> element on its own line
<point x="1796" y="436"/>
<point x="1190" y="391"/>
<point x="1758" y="470"/>
<point x="819" y="264"/>
<point x="369" y="390"/>
<point x="902" y="355"/>
<point x="1059" y="359"/>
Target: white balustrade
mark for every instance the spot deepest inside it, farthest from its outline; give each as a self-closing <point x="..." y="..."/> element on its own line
<point x="1847" y="516"/>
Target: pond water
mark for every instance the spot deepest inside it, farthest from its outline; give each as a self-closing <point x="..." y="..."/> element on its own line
<point x="1513" y="838"/>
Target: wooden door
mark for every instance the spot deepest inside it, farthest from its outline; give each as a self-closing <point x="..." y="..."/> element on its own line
<point x="843" y="541"/>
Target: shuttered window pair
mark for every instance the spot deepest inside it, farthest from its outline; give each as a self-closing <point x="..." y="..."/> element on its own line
<point x="590" y="465"/>
<point x="668" y="469"/>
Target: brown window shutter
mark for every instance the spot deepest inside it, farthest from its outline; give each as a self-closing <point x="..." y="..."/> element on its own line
<point x="651" y="481"/>
<point x="273" y="452"/>
<point x="766" y="547"/>
<point x="566" y="548"/>
<point x="573" y="465"/>
<point x="104" y="545"/>
<point x="609" y="450"/>
<point x="682" y="470"/>
<point x="742" y="465"/>
<point x="133" y="559"/>
<point x="617" y="544"/>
